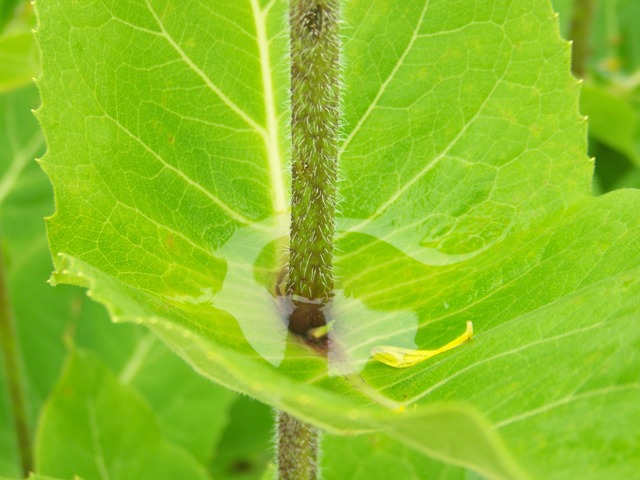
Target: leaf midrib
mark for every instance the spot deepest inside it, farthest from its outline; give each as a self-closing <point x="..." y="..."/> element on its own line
<point x="270" y="133"/>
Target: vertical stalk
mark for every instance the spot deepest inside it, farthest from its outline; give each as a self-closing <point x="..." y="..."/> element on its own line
<point x="17" y="399"/>
<point x="315" y="114"/>
<point x="315" y="111"/>
<point x="297" y="449"/>
<point x="583" y="11"/>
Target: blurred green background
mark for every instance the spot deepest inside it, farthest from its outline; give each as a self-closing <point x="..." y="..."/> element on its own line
<point x="226" y="435"/>
<point x="609" y="63"/>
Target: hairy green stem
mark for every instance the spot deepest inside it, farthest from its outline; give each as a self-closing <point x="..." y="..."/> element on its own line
<point x="315" y="115"/>
<point x="297" y="449"/>
<point x="315" y="112"/>
<point x="15" y="383"/>
<point x="583" y="11"/>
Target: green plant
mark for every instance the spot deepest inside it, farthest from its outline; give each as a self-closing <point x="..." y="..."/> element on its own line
<point x="610" y="95"/>
<point x="464" y="194"/>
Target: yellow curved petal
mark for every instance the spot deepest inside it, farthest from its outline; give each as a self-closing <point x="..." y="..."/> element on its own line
<point x="399" y="357"/>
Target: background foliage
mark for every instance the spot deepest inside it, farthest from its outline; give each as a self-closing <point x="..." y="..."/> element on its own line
<point x="69" y="345"/>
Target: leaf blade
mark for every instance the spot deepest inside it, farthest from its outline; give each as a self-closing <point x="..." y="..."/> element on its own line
<point x="78" y="435"/>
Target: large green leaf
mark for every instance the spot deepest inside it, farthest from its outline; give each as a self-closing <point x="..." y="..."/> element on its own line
<point x="95" y="427"/>
<point x="464" y="195"/>
<point x="190" y="410"/>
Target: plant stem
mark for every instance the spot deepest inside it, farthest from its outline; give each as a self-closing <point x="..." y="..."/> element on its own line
<point x="583" y="11"/>
<point x="315" y="112"/>
<point x="297" y="449"/>
<point x="315" y="115"/>
<point x="17" y="398"/>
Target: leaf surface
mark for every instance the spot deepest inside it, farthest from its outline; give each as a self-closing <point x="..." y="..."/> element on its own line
<point x="464" y="195"/>
<point x="19" y="57"/>
<point x="190" y="410"/>
<point x="374" y="455"/>
<point x="612" y="121"/>
<point x="94" y="427"/>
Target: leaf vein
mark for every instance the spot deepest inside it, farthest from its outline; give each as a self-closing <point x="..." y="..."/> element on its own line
<point x="386" y="83"/>
<point x="205" y="78"/>
<point x="271" y="137"/>
<point x="231" y="212"/>
<point x="566" y="400"/>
